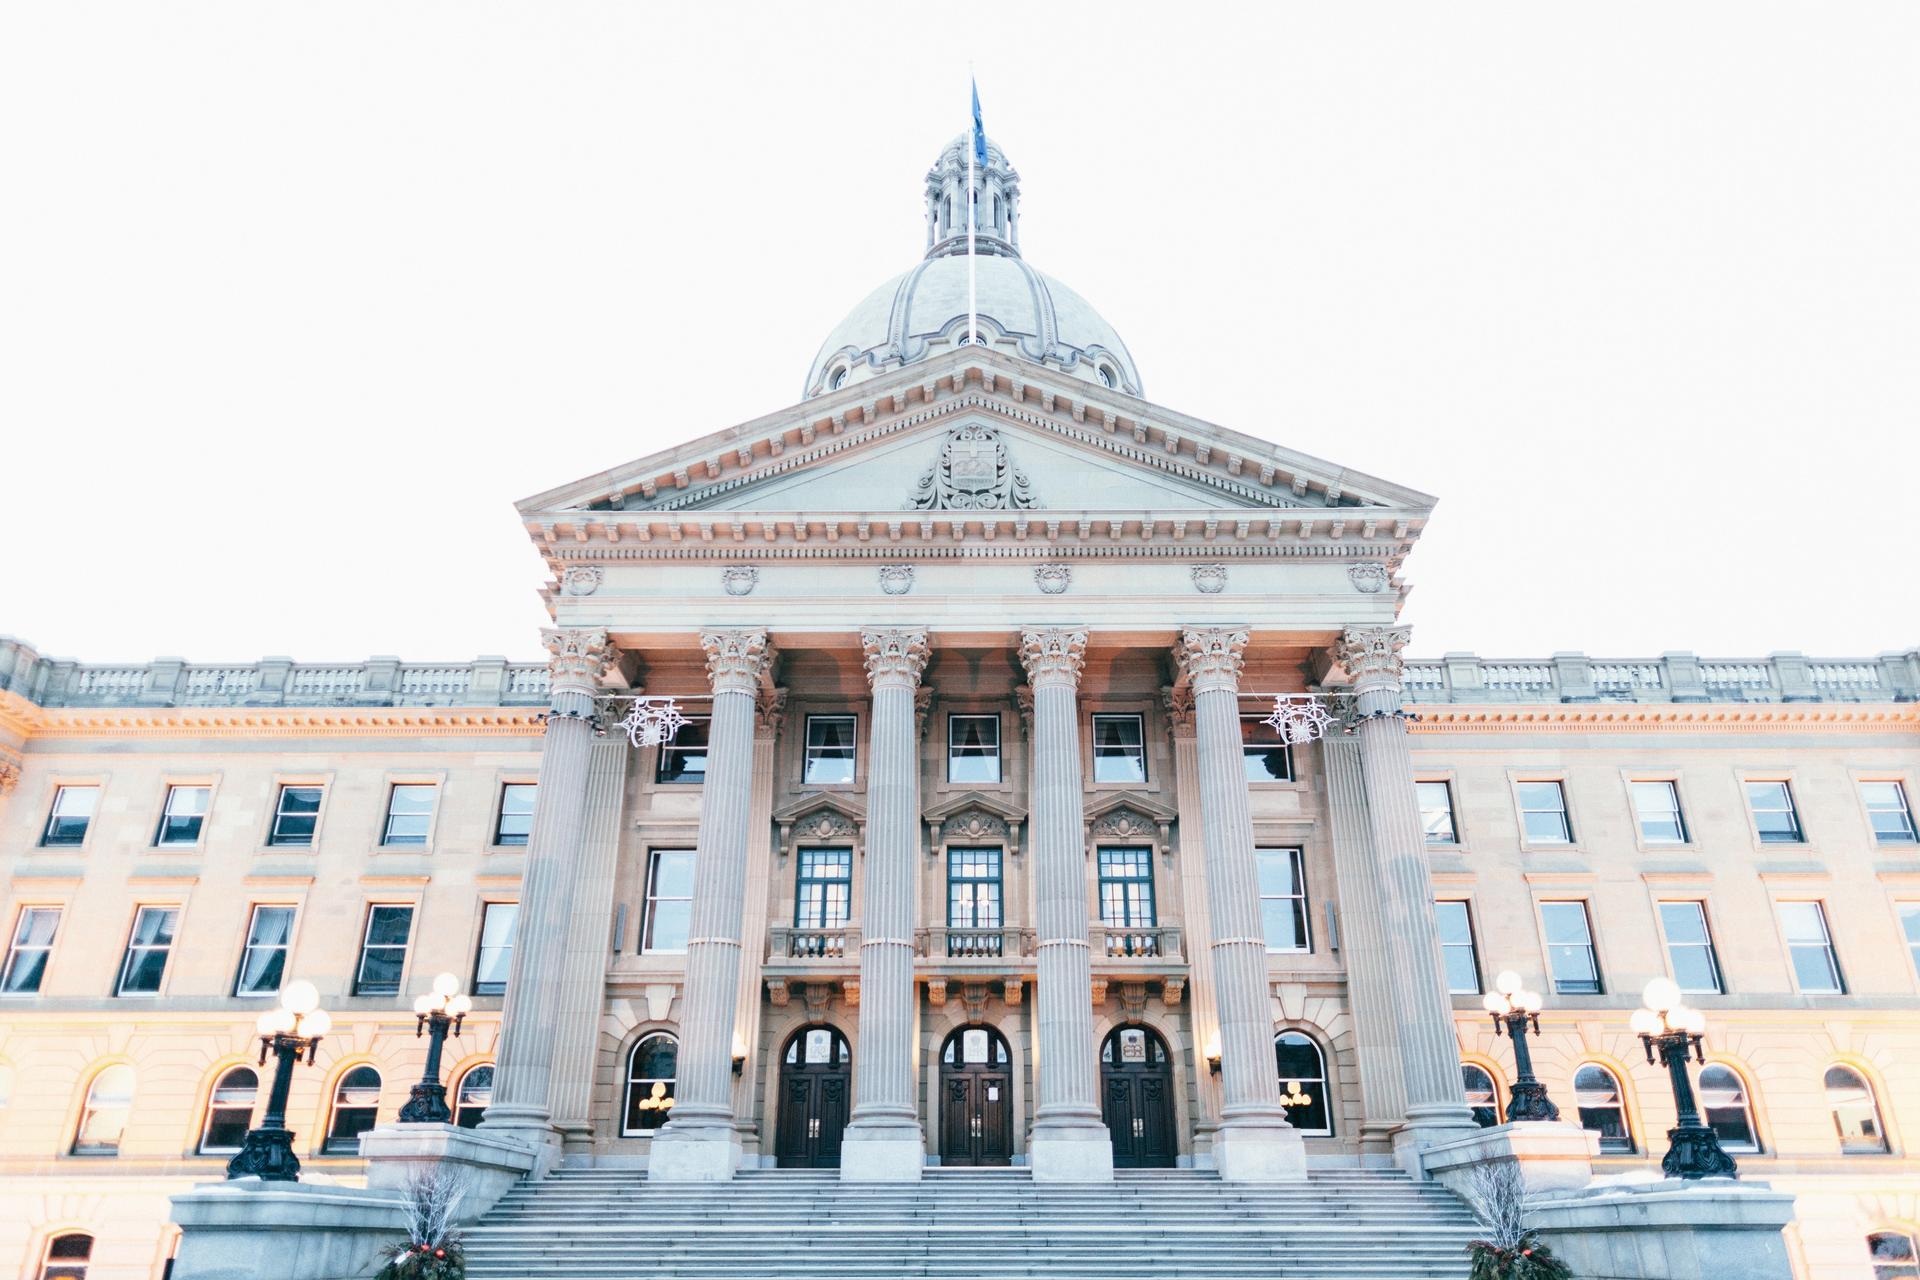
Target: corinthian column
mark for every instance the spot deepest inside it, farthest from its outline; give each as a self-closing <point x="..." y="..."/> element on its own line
<point x="523" y="1070"/>
<point x="700" y="1143"/>
<point x="884" y="1142"/>
<point x="1429" y="1052"/>
<point x="1070" y="1140"/>
<point x="1254" y="1142"/>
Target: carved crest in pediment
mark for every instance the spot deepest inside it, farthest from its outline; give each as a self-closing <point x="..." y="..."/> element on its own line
<point x="1125" y="824"/>
<point x="974" y="472"/>
<point x="974" y="826"/>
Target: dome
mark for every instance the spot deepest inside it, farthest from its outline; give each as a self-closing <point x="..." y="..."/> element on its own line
<point x="1021" y="312"/>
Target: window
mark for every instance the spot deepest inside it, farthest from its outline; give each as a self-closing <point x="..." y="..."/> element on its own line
<point x="1126" y="888"/>
<point x="1723" y="1105"/>
<point x="1303" y="1082"/>
<point x="295" y="815"/>
<point x="1543" y="813"/>
<point x="824" y="894"/>
<point x="182" y="817"/>
<point x="1893" y="1256"/>
<point x="263" y="963"/>
<point x="383" y="953"/>
<point x="148" y="946"/>
<point x="829" y="750"/>
<point x="1436" y="812"/>
<point x="650" y="1071"/>
<point x="71" y="815"/>
<point x="1774" y="816"/>
<point x="685" y="758"/>
<point x="104" y="1116"/>
<point x="1283" y="899"/>
<point x="27" y="955"/>
<point x="1690" y="946"/>
<point x="515" y="821"/>
<point x="1816" y="970"/>
<point x="1887" y="811"/>
<point x="1570" y="955"/>
<point x="1856" y="1116"/>
<point x="67" y="1257"/>
<point x="973" y="889"/>
<point x="229" y="1111"/>
<point x="1657" y="806"/>
<point x="1119" y="749"/>
<point x="1481" y="1095"/>
<point x="1455" y="925"/>
<point x="1268" y="757"/>
<point x="1909" y="922"/>
<point x="409" y="815"/>
<point x="473" y="1096"/>
<point x="669" y="902"/>
<point x="973" y="748"/>
<point x="497" y="923"/>
<point x="356" y="1108"/>
<point x="1597" y="1095"/>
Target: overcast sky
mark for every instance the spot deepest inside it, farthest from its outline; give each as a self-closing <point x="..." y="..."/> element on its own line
<point x="296" y="300"/>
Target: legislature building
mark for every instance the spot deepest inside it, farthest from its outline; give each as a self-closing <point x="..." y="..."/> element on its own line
<point x="977" y="764"/>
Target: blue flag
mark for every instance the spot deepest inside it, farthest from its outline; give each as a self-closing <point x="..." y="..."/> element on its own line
<point x="979" y="130"/>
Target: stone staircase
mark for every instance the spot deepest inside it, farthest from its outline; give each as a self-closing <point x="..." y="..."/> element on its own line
<point x="979" y="1224"/>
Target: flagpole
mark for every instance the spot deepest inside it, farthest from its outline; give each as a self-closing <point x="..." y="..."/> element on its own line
<point x="973" y="324"/>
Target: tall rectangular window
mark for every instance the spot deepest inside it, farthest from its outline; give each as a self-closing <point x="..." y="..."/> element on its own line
<point x="1570" y="953"/>
<point x="1267" y="757"/>
<point x="27" y="954"/>
<point x="498" y="921"/>
<point x="71" y="815"/>
<point x="148" y="947"/>
<point x="1543" y="813"/>
<point x="1656" y="805"/>
<point x="669" y="902"/>
<point x="1909" y="924"/>
<point x="1119" y="749"/>
<point x="973" y="889"/>
<point x="1457" y="950"/>
<point x="409" y="815"/>
<point x="1126" y="888"/>
<point x="973" y="748"/>
<point x="383" y="951"/>
<point x="1816" y="969"/>
<point x="263" y="962"/>
<point x="514" y="823"/>
<point x="1690" y="946"/>
<point x="1436" y="812"/>
<point x="685" y="758"/>
<point x="823" y="896"/>
<point x="829" y="750"/>
<point x="181" y="819"/>
<point x="1283" y="899"/>
<point x="295" y="814"/>
<point x="1774" y="816"/>
<point x="1888" y="812"/>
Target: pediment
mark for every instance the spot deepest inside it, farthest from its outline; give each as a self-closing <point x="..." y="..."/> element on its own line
<point x="974" y="817"/>
<point x="809" y="809"/>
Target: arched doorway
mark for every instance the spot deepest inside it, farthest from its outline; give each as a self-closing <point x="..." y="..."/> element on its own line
<point x="976" y="1098"/>
<point x="816" y="1084"/>
<point x="1136" y="1098"/>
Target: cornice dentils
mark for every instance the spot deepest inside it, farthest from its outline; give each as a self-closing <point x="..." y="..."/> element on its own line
<point x="1211" y="658"/>
<point x="895" y="656"/>
<point x="738" y="661"/>
<point x="1053" y="656"/>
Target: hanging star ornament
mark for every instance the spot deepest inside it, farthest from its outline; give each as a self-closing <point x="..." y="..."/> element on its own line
<point x="652" y="721"/>
<point x="1299" y="718"/>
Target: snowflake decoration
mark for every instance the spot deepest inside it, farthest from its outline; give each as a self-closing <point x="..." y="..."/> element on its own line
<point x="1299" y="718"/>
<point x="652" y="721"/>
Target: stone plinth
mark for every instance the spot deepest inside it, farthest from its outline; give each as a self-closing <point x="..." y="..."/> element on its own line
<point x="246" y="1229"/>
<point x="1553" y="1156"/>
<point x="1713" y="1229"/>
<point x="483" y="1164"/>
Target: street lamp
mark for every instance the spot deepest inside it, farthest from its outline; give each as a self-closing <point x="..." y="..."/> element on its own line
<point x="435" y="1014"/>
<point x="287" y="1033"/>
<point x="1693" y="1150"/>
<point x="1514" y="1008"/>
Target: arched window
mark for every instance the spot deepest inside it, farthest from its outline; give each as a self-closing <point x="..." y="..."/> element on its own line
<point x="1724" y="1106"/>
<point x="1893" y="1256"/>
<point x="104" y="1118"/>
<point x="471" y="1099"/>
<point x="1603" y="1108"/>
<point x="1107" y="375"/>
<point x="356" y="1106"/>
<point x="837" y="378"/>
<point x="651" y="1068"/>
<point x="1481" y="1095"/>
<point x="229" y="1111"/>
<point x="1303" y="1082"/>
<point x="67" y="1257"/>
<point x="1856" y="1117"/>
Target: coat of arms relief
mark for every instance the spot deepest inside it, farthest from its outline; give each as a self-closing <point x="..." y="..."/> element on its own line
<point x="973" y="473"/>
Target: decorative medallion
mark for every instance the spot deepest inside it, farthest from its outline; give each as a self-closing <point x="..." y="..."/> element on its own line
<point x="739" y="579"/>
<point x="652" y="721"/>
<point x="1210" y="579"/>
<point x="973" y="473"/>
<point x="1052" y="579"/>
<point x="1125" y="824"/>
<point x="1299" y="718"/>
<point x="582" y="580"/>
<point x="825" y="825"/>
<point x="896" y="579"/>
<point x="975" y="826"/>
<point x="1368" y="579"/>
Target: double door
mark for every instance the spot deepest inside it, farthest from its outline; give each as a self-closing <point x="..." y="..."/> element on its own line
<point x="976" y="1099"/>
<point x="1136" y="1099"/>
<point x="816" y="1090"/>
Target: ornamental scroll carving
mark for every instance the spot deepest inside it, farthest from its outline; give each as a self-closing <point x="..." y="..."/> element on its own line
<point x="896" y="579"/>
<point x="1053" y="655"/>
<point x="582" y="580"/>
<point x="736" y="660"/>
<point x="1209" y="579"/>
<point x="1368" y="579"/>
<point x="1371" y="655"/>
<point x="1052" y="579"/>
<point x="975" y="826"/>
<point x="1128" y="824"/>
<point x="825" y="825"/>
<point x="974" y="472"/>
<point x="739" y="579"/>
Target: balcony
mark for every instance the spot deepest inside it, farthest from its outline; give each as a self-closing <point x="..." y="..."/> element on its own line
<point x="1156" y="943"/>
<point x="950" y="943"/>
<point x="800" y="945"/>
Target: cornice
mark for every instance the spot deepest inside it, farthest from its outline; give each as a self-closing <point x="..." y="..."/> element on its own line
<point x="286" y="722"/>
<point x="1426" y="718"/>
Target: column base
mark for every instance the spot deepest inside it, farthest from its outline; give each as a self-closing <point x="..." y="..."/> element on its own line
<point x="1553" y="1156"/>
<point x="1430" y="1126"/>
<point x="529" y="1127"/>
<point x="706" y="1154"/>
<point x="1257" y="1151"/>
<point x="1071" y="1153"/>
<point x="882" y="1153"/>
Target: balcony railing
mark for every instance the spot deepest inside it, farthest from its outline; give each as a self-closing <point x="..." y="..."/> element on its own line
<point x="813" y="944"/>
<point x="954" y="942"/>
<point x="1159" y="942"/>
<point x="1672" y="677"/>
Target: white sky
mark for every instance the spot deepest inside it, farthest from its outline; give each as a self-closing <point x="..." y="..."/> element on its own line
<point x="295" y="300"/>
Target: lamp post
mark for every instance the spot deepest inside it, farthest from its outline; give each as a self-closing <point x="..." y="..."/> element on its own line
<point x="287" y="1033"/>
<point x="435" y="1015"/>
<point x="1667" y="1024"/>
<point x="1513" y="1008"/>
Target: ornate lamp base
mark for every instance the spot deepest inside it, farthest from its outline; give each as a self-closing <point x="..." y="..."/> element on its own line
<point x="427" y="1104"/>
<point x="266" y="1154"/>
<point x="1694" y="1152"/>
<point x="1528" y="1101"/>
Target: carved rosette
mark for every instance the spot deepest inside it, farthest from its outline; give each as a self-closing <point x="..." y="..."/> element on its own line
<point x="1178" y="701"/>
<point x="1052" y="579"/>
<point x="737" y="661"/>
<point x="896" y="579"/>
<point x="895" y="656"/>
<point x="576" y="658"/>
<point x="1368" y="579"/>
<point x="582" y="580"/>
<point x="1371" y="655"/>
<point x="1053" y="656"/>
<point x="1209" y="579"/>
<point x="1211" y="657"/>
<point x="739" y="579"/>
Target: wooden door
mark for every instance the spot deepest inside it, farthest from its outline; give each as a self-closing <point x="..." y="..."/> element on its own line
<point x="976" y="1099"/>
<point x="816" y="1089"/>
<point x="1136" y="1099"/>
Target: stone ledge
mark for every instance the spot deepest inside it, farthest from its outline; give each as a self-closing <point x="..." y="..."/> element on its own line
<point x="1665" y="1229"/>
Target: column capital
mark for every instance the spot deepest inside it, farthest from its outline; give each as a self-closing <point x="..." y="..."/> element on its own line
<point x="895" y="656"/>
<point x="737" y="661"/>
<point x="577" y="658"/>
<point x="769" y="711"/>
<point x="1053" y="656"/>
<point x="1371" y="656"/>
<point x="1178" y="700"/>
<point x="1211" y="657"/>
